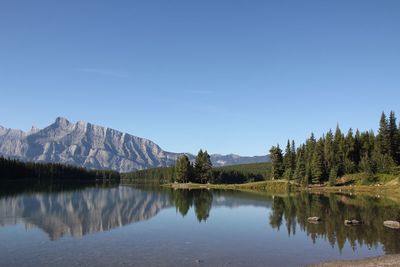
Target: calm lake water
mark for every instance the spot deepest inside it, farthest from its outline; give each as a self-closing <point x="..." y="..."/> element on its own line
<point x="128" y="226"/>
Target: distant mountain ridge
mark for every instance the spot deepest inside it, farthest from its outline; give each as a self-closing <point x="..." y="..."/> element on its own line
<point x="95" y="147"/>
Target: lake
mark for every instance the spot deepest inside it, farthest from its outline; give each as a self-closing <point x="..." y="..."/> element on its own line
<point x="130" y="226"/>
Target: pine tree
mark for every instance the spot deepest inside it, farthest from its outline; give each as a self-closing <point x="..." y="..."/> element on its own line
<point x="317" y="165"/>
<point x="287" y="162"/>
<point x="338" y="150"/>
<point x="293" y="155"/>
<point x="349" y="145"/>
<point x="398" y="146"/>
<point x="277" y="162"/>
<point x="393" y="137"/>
<point x="293" y="159"/>
<point x="198" y="166"/>
<point x="329" y="155"/>
<point x="183" y="169"/>
<point x="332" y="176"/>
<point x="203" y="167"/>
<point x="300" y="172"/>
<point x="207" y="168"/>
<point x="366" y="165"/>
<point x="357" y="148"/>
<point x="383" y="142"/>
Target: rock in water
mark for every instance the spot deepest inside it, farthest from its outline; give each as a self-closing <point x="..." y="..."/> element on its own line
<point x="352" y="222"/>
<point x="314" y="219"/>
<point x="392" y="224"/>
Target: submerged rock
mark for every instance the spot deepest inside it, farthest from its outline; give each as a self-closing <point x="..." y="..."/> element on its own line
<point x="392" y="224"/>
<point x="314" y="219"/>
<point x="352" y="222"/>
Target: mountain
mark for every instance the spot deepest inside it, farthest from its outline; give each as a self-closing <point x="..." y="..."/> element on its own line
<point x="95" y="147"/>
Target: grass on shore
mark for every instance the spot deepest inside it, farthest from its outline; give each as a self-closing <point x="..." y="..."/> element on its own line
<point x="273" y="185"/>
<point x="381" y="184"/>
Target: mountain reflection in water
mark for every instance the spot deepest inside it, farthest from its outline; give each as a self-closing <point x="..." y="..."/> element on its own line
<point x="97" y="209"/>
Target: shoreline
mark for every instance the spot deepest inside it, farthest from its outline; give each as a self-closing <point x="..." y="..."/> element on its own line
<point x="256" y="186"/>
<point x="292" y="185"/>
<point x="385" y="260"/>
<point x="284" y="186"/>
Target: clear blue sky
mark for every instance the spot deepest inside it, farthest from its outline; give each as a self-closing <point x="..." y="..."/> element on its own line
<point x="227" y="76"/>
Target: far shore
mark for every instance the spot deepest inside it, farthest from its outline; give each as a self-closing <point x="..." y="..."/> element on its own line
<point x="263" y="185"/>
<point x="286" y="186"/>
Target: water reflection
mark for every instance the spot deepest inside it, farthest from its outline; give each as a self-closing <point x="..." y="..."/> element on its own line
<point x="334" y="209"/>
<point x="200" y="199"/>
<point x="96" y="209"/>
<point x="81" y="212"/>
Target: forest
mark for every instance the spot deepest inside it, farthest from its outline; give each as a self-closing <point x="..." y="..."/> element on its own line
<point x="13" y="170"/>
<point x="317" y="161"/>
<point x="337" y="154"/>
<point x="201" y="171"/>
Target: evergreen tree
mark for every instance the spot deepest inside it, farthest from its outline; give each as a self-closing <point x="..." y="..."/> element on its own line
<point x="293" y="161"/>
<point x="393" y="137"/>
<point x="317" y="165"/>
<point x="288" y="162"/>
<point x="366" y="165"/>
<point x="203" y="167"/>
<point x="367" y="143"/>
<point x="357" y="148"/>
<point x="183" y="169"/>
<point x="398" y="145"/>
<point x="277" y="162"/>
<point x="329" y="155"/>
<point x="349" y="147"/>
<point x="338" y="150"/>
<point x="332" y="175"/>
<point x="300" y="172"/>
<point x="383" y="142"/>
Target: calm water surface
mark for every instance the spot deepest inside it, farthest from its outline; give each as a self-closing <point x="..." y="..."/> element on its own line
<point x="127" y="226"/>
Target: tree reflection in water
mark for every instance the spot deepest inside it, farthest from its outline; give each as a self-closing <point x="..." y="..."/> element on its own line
<point x="77" y="212"/>
<point x="333" y="209"/>
<point x="200" y="199"/>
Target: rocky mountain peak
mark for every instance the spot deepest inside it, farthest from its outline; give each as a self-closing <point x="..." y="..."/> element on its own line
<point x="61" y="121"/>
<point x="95" y="147"/>
<point x="33" y="130"/>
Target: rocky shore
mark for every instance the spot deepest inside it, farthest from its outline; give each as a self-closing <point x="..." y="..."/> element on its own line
<point x="386" y="260"/>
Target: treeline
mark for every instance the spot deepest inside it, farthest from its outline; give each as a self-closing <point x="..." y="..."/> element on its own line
<point x="251" y="171"/>
<point x="11" y="170"/>
<point x="337" y="154"/>
<point x="202" y="172"/>
<point x="185" y="171"/>
<point x="158" y="175"/>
